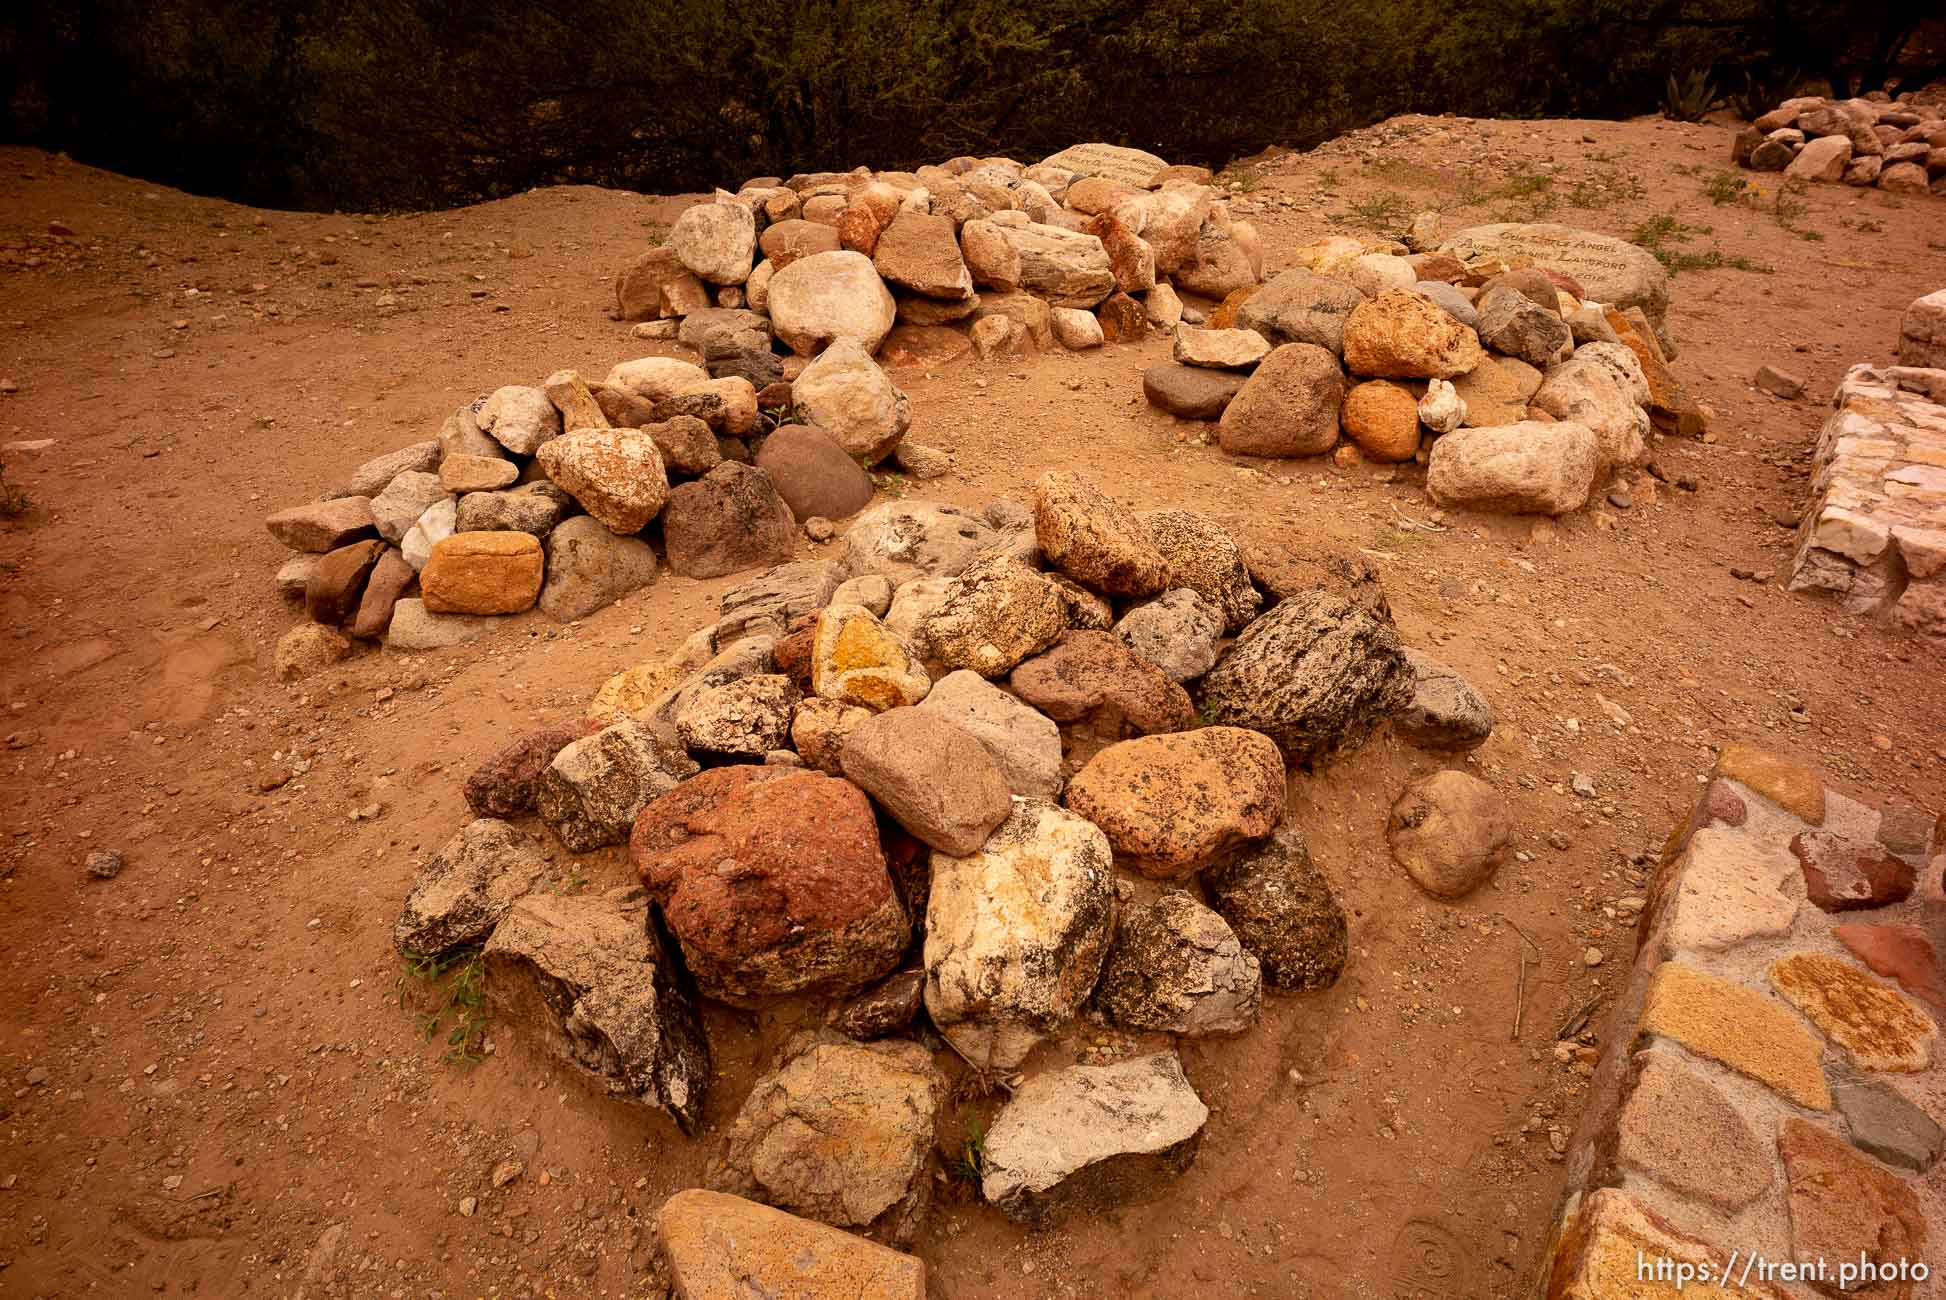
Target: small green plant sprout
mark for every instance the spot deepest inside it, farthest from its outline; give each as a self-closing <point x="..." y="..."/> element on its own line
<point x="1725" y="187"/>
<point x="455" y="987"/>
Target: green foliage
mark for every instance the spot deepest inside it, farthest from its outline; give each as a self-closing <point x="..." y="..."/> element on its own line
<point x="1661" y="233"/>
<point x="1725" y="187"/>
<point x="969" y="1164"/>
<point x="1687" y="99"/>
<point x="455" y="988"/>
<point x="1382" y="211"/>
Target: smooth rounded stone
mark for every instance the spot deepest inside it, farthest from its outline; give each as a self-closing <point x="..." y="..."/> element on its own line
<point x="1403" y="335"/>
<point x="1024" y="744"/>
<point x="813" y="473"/>
<point x="1016" y="933"/>
<point x="903" y="540"/>
<point x="589" y="568"/>
<point x="371" y="478"/>
<point x="616" y="475"/>
<point x="338" y="581"/>
<point x="1089" y="1139"/>
<point x="873" y="591"/>
<point x="1301" y="306"/>
<point x="1589" y="392"/>
<point x="793" y="239"/>
<point x="773" y="881"/>
<point x="1176" y="967"/>
<point x="845" y="394"/>
<point x="884" y="1009"/>
<point x="322" y="526"/>
<point x="857" y="660"/>
<point x="1441" y="409"/>
<point x="1172" y="804"/>
<point x="1822" y="159"/>
<point x="1076" y="329"/>
<point x="934" y="779"/>
<point x="1287" y="407"/>
<point x="920" y="252"/>
<point x="465" y="888"/>
<point x="482" y="573"/>
<point x="1496" y="392"/>
<point x="685" y="443"/>
<point x="1215" y="349"/>
<point x="507" y="782"/>
<point x="743" y="719"/>
<point x="1449" y="831"/>
<point x="533" y="508"/>
<point x="828" y="296"/>
<point x="390" y="579"/>
<point x="1316" y="674"/>
<point x="593" y="790"/>
<point x="519" y="418"/>
<point x="840" y="1132"/>
<point x="309" y="648"/>
<point x="1282" y="910"/>
<point x="407" y="497"/>
<point x="920" y="461"/>
<point x="463" y="473"/>
<point x="722" y="1247"/>
<point x="993" y="614"/>
<point x="1525" y="468"/>
<point x="1609" y="270"/>
<point x="1093" y="675"/>
<point x="1202" y="557"/>
<point x="730" y="519"/>
<point x="1178" y="632"/>
<point x="1088" y="536"/>
<point x="1191" y="392"/>
<point x="294" y="574"/>
<point x="779" y="595"/>
<point x="1451" y="301"/>
<point x="655" y="379"/>
<point x="1906" y="177"/>
<point x="1382" y="418"/>
<point x="1374" y="273"/>
<point x="818" y="730"/>
<point x="716" y="241"/>
<point x="1512" y="323"/>
<point x="1445" y="713"/>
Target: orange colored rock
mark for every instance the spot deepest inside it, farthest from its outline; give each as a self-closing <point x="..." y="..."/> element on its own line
<point x="1789" y="784"/>
<point x="483" y="573"/>
<point x="1383" y="419"/>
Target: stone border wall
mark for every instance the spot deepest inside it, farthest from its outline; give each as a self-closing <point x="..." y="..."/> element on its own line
<point x="1770" y="1085"/>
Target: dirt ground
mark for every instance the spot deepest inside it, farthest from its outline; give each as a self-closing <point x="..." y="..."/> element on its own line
<point x="211" y="1085"/>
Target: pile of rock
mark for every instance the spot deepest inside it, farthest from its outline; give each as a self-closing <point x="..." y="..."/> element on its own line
<point x="1892" y="144"/>
<point x="1089" y="246"/>
<point x="1874" y="530"/>
<point x="988" y="775"/>
<point x="556" y="494"/>
<point x="1523" y="364"/>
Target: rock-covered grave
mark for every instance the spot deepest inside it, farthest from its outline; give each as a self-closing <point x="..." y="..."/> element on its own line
<point x="982" y="780"/>
<point x="1897" y="145"/>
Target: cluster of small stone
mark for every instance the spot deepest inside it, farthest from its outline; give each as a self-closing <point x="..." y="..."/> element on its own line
<point x="553" y="494"/>
<point x="1892" y="144"/>
<point x="1522" y="364"/>
<point x="954" y="784"/>
<point x="1768" y="1096"/>
<point x="1874" y="529"/>
<point x="1086" y="247"/>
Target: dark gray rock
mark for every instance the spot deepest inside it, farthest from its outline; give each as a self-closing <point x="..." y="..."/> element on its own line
<point x="1445" y="712"/>
<point x="1888" y="1126"/>
<point x="1283" y="912"/>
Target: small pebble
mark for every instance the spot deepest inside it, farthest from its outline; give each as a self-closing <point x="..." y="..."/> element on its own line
<point x="104" y="864"/>
<point x="1592" y="957"/>
<point x="468" y="1204"/>
<point x="1621" y="500"/>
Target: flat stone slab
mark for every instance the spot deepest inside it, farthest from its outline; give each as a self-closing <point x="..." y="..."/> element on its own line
<point x="1879" y="1028"/>
<point x="722" y="1247"/>
<point x="1738" y="1026"/>
<point x="1730" y="890"/>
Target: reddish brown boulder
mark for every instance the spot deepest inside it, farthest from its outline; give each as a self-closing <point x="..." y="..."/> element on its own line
<point x="505" y="784"/>
<point x="773" y="882"/>
<point x="391" y="578"/>
<point x="730" y="519"/>
<point x="336" y="584"/>
<point x="1094" y="675"/>
<point x="813" y="474"/>
<point x="1843" y="875"/>
<point x="1122" y="319"/>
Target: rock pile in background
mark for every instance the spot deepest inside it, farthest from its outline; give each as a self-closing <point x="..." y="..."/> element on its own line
<point x="955" y="791"/>
<point x="1522" y="364"/>
<point x="1894" y="145"/>
<point x="1091" y="246"/>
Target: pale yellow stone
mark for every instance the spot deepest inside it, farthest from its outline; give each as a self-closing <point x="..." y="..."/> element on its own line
<point x="1738" y="1026"/>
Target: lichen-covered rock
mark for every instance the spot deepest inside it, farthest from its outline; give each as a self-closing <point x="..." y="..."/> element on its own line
<point x="616" y="474"/>
<point x="1086" y="535"/>
<point x="592" y="791"/>
<point x="840" y="1132"/>
<point x="1094" y="676"/>
<point x="1090" y="1138"/>
<point x="1203" y="557"/>
<point x="508" y="781"/>
<point x="904" y="540"/>
<point x="857" y="660"/>
<point x="994" y="613"/>
<point x="589" y="976"/>
<point x="1283" y="912"/>
<point x="1016" y="933"/>
<point x="773" y="882"/>
<point x="818" y="731"/>
<point x="934" y="779"/>
<point x="1177" y="968"/>
<point x="1173" y="804"/>
<point x="1402" y="334"/>
<point x="1316" y="674"/>
<point x="466" y="887"/>
<point x="1025" y="743"/>
<point x="743" y="719"/>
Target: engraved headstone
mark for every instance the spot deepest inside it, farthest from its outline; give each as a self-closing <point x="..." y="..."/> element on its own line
<point x="1129" y="166"/>
<point x="1610" y="270"/>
